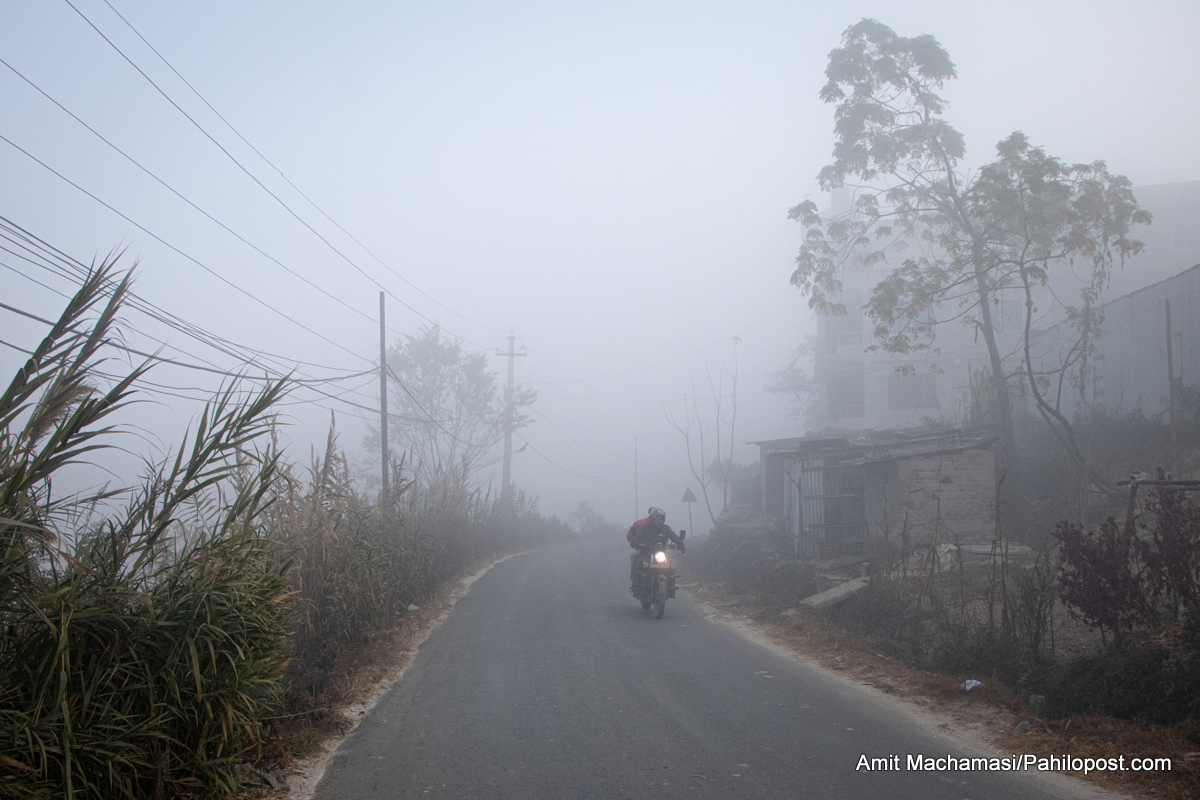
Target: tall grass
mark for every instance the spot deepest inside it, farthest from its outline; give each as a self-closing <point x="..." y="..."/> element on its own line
<point x="362" y="562"/>
<point x="152" y="637"/>
<point x="138" y="657"/>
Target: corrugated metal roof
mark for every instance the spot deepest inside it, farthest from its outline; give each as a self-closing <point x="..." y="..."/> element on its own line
<point x="884" y="446"/>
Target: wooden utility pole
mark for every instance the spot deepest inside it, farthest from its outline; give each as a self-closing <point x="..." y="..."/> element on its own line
<point x="506" y="487"/>
<point x="383" y="431"/>
<point x="1170" y="380"/>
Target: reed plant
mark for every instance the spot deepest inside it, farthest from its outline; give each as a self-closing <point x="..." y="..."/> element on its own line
<point x="154" y="636"/>
<point x="138" y="656"/>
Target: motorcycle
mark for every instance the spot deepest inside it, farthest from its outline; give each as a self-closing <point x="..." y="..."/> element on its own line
<point x="658" y="576"/>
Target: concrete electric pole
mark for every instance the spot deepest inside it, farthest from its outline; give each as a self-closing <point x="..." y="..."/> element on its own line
<point x="506" y="487"/>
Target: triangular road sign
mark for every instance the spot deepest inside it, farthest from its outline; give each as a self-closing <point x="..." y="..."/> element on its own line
<point x="688" y="497"/>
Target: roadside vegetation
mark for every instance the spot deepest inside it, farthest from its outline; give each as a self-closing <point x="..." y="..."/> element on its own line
<point x="1091" y="633"/>
<point x="177" y="637"/>
<point x="1085" y="604"/>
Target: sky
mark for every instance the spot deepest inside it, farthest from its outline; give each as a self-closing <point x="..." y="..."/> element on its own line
<point x="609" y="182"/>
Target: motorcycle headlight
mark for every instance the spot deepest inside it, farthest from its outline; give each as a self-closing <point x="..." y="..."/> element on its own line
<point x="660" y="556"/>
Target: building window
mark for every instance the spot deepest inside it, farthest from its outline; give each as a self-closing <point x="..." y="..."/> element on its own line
<point x="912" y="391"/>
<point x="845" y="330"/>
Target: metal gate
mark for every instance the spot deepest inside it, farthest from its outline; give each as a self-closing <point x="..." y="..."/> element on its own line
<point x="824" y="507"/>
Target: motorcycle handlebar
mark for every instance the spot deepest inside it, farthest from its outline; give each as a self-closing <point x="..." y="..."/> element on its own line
<point x="646" y="546"/>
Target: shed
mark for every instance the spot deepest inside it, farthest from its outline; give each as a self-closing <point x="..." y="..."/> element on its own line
<point x="836" y="495"/>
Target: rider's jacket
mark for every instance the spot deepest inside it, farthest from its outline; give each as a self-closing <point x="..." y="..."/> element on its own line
<point x="645" y="532"/>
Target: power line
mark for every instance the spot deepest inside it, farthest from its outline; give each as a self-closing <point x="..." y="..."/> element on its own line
<point x="198" y="367"/>
<point x="167" y="244"/>
<point x="183" y="326"/>
<point x="47" y="257"/>
<point x="236" y="376"/>
<point x="203" y="337"/>
<point x="16" y="347"/>
<point x="298" y="190"/>
<point x="430" y="417"/>
<point x="564" y="469"/>
<point x="175" y="192"/>
<point x="252" y="177"/>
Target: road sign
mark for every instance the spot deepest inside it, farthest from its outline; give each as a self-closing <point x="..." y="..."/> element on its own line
<point x="689" y="498"/>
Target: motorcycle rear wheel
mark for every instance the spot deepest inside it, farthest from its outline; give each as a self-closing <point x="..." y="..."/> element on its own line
<point x="660" y="596"/>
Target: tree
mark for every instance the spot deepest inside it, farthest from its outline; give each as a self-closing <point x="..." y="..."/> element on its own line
<point x="587" y="521"/>
<point x="445" y="409"/>
<point x="975" y="233"/>
<point x="795" y="379"/>
<point x="715" y="470"/>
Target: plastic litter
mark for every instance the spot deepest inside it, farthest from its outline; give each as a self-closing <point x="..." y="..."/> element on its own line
<point x="969" y="685"/>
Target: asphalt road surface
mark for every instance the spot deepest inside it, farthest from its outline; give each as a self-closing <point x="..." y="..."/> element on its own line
<point x="547" y="680"/>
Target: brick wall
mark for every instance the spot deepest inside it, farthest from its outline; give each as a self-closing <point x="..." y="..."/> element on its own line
<point x="960" y="488"/>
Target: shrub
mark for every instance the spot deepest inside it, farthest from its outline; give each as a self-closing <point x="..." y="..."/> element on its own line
<point x="1101" y="580"/>
<point x="1152" y="682"/>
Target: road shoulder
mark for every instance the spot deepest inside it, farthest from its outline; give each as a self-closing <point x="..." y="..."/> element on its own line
<point x="304" y="774"/>
<point x="980" y="722"/>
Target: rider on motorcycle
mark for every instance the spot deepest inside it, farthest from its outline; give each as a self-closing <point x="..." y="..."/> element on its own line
<point x="643" y="534"/>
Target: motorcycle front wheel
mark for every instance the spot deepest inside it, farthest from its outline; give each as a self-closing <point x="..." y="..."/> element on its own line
<point x="660" y="596"/>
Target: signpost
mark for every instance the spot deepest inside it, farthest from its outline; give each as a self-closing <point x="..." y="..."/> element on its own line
<point x="689" y="498"/>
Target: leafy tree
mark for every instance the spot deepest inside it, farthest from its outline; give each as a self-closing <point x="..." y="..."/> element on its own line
<point x="446" y="409"/>
<point x="975" y="233"/>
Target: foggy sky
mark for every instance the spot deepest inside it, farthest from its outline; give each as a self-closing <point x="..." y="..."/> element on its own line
<point x="610" y="183"/>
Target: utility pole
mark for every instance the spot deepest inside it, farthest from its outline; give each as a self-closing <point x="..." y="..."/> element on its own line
<point x="1170" y="380"/>
<point x="506" y="488"/>
<point x="383" y="431"/>
<point x="637" y="514"/>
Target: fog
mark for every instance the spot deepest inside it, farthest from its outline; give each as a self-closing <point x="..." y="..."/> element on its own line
<point x="608" y="183"/>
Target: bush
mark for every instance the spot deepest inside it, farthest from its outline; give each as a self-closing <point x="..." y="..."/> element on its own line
<point x="1151" y="682"/>
<point x="753" y="554"/>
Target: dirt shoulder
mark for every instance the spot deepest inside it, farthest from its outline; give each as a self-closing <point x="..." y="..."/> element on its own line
<point x="985" y="719"/>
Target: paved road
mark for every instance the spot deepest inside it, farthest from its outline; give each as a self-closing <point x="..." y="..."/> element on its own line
<point x="548" y="681"/>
